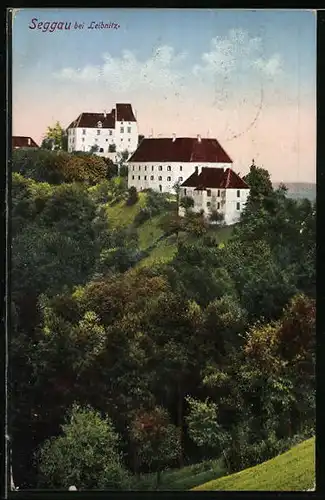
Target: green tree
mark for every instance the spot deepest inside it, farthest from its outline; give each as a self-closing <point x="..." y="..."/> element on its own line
<point x="156" y="439"/>
<point x="86" y="455"/>
<point x="133" y="196"/>
<point x="56" y="138"/>
<point x="203" y="426"/>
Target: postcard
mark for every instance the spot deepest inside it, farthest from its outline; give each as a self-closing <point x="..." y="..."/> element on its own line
<point x="163" y="235"/>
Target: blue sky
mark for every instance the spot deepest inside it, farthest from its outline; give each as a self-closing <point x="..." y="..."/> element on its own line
<point x="206" y="58"/>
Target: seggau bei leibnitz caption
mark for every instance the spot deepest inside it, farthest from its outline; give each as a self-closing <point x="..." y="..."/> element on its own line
<point x="51" y="26"/>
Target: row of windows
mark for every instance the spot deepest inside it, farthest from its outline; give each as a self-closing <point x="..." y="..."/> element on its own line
<point x="169" y="168"/>
<point x="218" y="205"/>
<point x="152" y="178"/>
<point x="218" y="193"/>
<point x="84" y="131"/>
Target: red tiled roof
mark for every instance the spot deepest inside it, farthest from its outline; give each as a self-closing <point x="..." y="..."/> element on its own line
<point x="19" y="141"/>
<point x="124" y="112"/>
<point x="90" y="120"/>
<point x="182" y="149"/>
<point x="215" y="178"/>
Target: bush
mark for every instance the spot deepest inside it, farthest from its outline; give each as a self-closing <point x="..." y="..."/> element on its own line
<point x="133" y="196"/>
<point x="142" y="216"/>
<point x="86" y="455"/>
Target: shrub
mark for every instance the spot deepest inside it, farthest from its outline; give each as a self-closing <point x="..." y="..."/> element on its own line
<point x="133" y="196"/>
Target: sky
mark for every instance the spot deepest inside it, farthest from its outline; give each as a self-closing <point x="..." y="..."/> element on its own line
<point x="244" y="77"/>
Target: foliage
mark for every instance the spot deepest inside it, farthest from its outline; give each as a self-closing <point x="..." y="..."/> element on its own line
<point x="56" y="167"/>
<point x="157" y="440"/>
<point x="187" y="202"/>
<point x="133" y="196"/>
<point x="56" y="138"/>
<point x="203" y="426"/>
<point x="112" y="148"/>
<point x="86" y="455"/>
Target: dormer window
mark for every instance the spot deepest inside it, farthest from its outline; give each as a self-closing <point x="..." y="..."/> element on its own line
<point x="99" y="124"/>
<point x="169" y="168"/>
<point x="83" y="131"/>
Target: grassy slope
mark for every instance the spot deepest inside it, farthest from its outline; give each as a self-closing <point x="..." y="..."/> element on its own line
<point x="121" y="215"/>
<point x="183" y="479"/>
<point x="291" y="471"/>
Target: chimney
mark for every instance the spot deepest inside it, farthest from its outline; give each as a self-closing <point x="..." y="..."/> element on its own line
<point x="28" y="141"/>
<point x="196" y="170"/>
<point x="199" y="138"/>
<point x="174" y="137"/>
<point x="105" y="114"/>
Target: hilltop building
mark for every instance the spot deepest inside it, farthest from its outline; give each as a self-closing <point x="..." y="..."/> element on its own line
<point x="100" y="132"/>
<point x="216" y="190"/>
<point x="160" y="163"/>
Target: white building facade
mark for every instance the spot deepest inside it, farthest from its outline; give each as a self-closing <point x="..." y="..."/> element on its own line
<point x="160" y="163"/>
<point x="102" y="133"/>
<point x="216" y="190"/>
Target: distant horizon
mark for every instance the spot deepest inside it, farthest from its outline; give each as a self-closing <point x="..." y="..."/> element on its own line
<point x="247" y="78"/>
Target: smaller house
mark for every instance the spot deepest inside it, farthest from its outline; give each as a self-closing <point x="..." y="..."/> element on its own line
<point x="216" y="190"/>
<point x="19" y="141"/>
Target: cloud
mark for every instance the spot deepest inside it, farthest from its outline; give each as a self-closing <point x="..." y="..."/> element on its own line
<point x="237" y="53"/>
<point x="231" y="57"/>
<point x="128" y="72"/>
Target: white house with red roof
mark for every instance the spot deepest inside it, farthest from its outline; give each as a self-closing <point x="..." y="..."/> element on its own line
<point x="216" y="190"/>
<point x="160" y="163"/>
<point x="102" y="130"/>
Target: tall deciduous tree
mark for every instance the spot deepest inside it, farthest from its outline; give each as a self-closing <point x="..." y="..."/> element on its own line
<point x="56" y="138"/>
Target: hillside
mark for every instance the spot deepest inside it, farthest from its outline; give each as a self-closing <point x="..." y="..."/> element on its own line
<point x="299" y="190"/>
<point x="159" y="247"/>
<point x="291" y="471"/>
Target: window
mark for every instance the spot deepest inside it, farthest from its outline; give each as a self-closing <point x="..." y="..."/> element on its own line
<point x="106" y="140"/>
<point x="237" y="206"/>
<point x="238" y="193"/>
<point x="139" y="167"/>
<point x="208" y="192"/>
<point x="132" y="177"/>
<point x="169" y="168"/>
<point x="101" y="150"/>
<point x="83" y="131"/>
<point x="218" y="205"/>
<point x="160" y="187"/>
<point x="133" y="167"/>
<point x="129" y="140"/>
<point x="121" y="139"/>
<point x="96" y="139"/>
<point x="98" y="132"/>
<point x="145" y="167"/>
<point x="160" y="178"/>
<point x="169" y="179"/>
<point x="99" y="124"/>
<point x="152" y="167"/>
<point x="151" y="177"/>
<point x="129" y="130"/>
<point x="122" y="130"/>
<point x="139" y="177"/>
<point x="110" y="132"/>
<point x="208" y="204"/>
<point x="180" y="179"/>
<point x="145" y="177"/>
<point x="181" y="168"/>
<point x="218" y="193"/>
<point x="184" y="192"/>
<point x="160" y="167"/>
<point x="83" y="139"/>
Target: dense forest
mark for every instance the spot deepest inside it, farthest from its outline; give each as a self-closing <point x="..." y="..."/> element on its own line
<point x="120" y="369"/>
